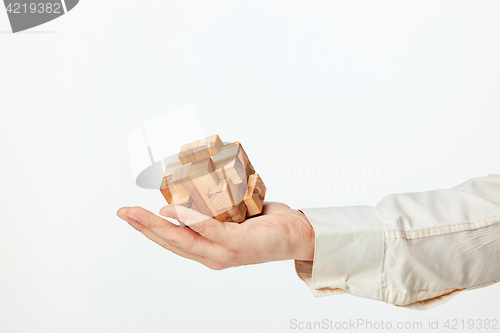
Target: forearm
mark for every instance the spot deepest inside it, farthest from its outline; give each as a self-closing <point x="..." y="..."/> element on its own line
<point x="411" y="249"/>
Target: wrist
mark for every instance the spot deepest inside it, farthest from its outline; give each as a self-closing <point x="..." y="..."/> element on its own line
<point x="307" y="238"/>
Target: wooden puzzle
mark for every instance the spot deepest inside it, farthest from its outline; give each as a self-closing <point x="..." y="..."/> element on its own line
<point x="214" y="179"/>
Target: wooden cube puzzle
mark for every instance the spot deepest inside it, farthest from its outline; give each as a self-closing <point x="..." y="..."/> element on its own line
<point x="214" y="179"/>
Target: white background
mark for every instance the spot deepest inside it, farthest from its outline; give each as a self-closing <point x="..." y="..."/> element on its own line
<point x="409" y="88"/>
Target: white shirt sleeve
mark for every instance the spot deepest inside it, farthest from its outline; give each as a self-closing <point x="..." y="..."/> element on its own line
<point x="415" y="250"/>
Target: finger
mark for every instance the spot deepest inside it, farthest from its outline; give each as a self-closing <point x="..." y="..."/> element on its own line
<point x="181" y="237"/>
<point x="160" y="241"/>
<point x="204" y="225"/>
<point x="175" y="234"/>
<point x="184" y="215"/>
<point x="166" y="245"/>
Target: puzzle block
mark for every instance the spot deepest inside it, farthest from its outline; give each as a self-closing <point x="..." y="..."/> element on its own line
<point x="184" y="201"/>
<point x="166" y="191"/>
<point x="256" y="191"/>
<point x="235" y="214"/>
<point x="213" y="144"/>
<point x="233" y="162"/>
<point x="201" y="149"/>
<point x="188" y="153"/>
<point x="238" y="190"/>
<point x="203" y="170"/>
<point x="179" y="179"/>
<point x="214" y="179"/>
<point x="222" y="198"/>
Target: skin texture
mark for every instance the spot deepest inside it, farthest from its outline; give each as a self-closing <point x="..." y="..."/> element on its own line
<point x="278" y="233"/>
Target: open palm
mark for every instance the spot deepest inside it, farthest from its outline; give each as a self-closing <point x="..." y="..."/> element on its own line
<point x="278" y="233"/>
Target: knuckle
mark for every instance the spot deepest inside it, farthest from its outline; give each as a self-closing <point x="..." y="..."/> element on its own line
<point x="166" y="246"/>
<point x="199" y="227"/>
<point x="176" y="242"/>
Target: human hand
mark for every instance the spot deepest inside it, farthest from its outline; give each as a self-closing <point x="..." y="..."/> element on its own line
<point x="278" y="233"/>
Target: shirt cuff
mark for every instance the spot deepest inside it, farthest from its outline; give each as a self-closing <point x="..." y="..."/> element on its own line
<point x="348" y="252"/>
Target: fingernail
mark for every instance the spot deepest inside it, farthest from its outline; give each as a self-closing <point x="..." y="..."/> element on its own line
<point x="122" y="217"/>
<point x="133" y="217"/>
<point x="162" y="212"/>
